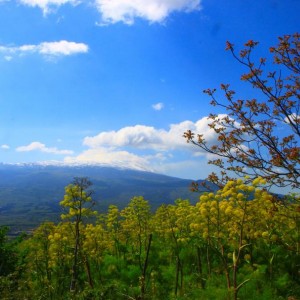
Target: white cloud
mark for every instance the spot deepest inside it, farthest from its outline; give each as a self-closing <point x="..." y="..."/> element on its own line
<point x="126" y="11"/>
<point x="147" y="148"/>
<point x="146" y="137"/>
<point x="52" y="49"/>
<point x="48" y="5"/>
<point x="5" y="147"/>
<point x="158" y="106"/>
<point x="138" y="136"/>
<point x="37" y="146"/>
<point x="62" y="48"/>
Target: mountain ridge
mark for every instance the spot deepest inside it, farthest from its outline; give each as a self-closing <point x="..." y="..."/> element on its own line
<point x="76" y="164"/>
<point x="30" y="193"/>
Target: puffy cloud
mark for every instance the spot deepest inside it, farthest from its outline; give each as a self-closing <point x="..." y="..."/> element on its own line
<point x="126" y="11"/>
<point x="147" y="148"/>
<point x="138" y="136"/>
<point x="5" y="147"/>
<point x="60" y="48"/>
<point x="158" y="106"/>
<point x="47" y="5"/>
<point x="37" y="146"/>
<point x="146" y="137"/>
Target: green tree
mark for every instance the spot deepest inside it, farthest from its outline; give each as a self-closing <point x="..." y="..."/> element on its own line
<point x="6" y="253"/>
<point x="11" y="258"/>
<point x="113" y="227"/>
<point x="78" y="204"/>
<point x="249" y="142"/>
<point x="136" y="226"/>
<point x="172" y="224"/>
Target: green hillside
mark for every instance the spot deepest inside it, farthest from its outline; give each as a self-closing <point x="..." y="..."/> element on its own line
<point x="30" y="194"/>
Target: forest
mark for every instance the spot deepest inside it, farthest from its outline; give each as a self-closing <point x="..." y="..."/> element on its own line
<point x="223" y="247"/>
<point x="239" y="242"/>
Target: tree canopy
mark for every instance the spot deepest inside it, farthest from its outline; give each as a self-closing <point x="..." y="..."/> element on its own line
<point x="259" y="136"/>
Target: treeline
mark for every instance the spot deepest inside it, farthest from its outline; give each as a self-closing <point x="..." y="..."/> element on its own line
<point x="238" y="243"/>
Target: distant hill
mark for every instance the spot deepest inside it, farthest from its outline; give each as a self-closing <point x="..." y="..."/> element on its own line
<point x="30" y="193"/>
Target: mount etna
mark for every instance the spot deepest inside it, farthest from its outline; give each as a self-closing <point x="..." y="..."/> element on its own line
<point x="30" y="193"/>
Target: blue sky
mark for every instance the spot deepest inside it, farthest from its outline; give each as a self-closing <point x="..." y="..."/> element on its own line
<point x="119" y="81"/>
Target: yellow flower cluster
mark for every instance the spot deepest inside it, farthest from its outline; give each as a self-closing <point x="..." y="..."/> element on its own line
<point x="240" y="213"/>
